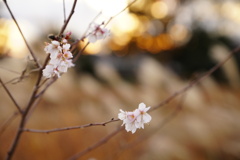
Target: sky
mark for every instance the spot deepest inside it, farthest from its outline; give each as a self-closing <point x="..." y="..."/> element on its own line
<point x="36" y="17"/>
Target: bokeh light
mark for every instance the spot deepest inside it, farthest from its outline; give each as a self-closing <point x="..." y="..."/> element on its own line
<point x="231" y="10"/>
<point x="179" y="33"/>
<point x="159" y="9"/>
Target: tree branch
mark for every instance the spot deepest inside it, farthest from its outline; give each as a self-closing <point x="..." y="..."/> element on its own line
<point x="165" y="121"/>
<point x="68" y="19"/>
<point x="96" y="145"/>
<point x="196" y="81"/>
<point x="110" y="19"/>
<point x="23" y="118"/>
<point x="80" y="52"/>
<point x="71" y="128"/>
<point x="28" y="46"/>
<point x="64" y="11"/>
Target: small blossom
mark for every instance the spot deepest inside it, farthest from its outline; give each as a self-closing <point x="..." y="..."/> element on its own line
<point x="143" y="117"/>
<point x="67" y="55"/>
<point x="60" y="57"/>
<point x="63" y="67"/>
<point x="97" y="32"/>
<point x="136" y="119"/>
<point x="53" y="48"/>
<point x="49" y="71"/>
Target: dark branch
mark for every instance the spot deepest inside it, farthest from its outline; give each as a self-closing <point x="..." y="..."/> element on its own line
<point x="96" y="145"/>
<point x="28" y="46"/>
<point x="68" y="19"/>
<point x="196" y="81"/>
<point x="71" y="128"/>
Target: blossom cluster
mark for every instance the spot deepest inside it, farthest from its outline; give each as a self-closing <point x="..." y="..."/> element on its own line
<point x="97" y="32"/>
<point x="60" y="57"/>
<point x="136" y="119"/>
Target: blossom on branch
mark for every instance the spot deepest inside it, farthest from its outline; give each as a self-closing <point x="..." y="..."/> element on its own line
<point x="136" y="119"/>
<point x="60" y="57"/>
<point x="97" y="32"/>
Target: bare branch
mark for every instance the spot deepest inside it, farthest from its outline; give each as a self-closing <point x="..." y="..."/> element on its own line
<point x="25" y="41"/>
<point x="84" y="36"/>
<point x="111" y="18"/>
<point x="196" y="81"/>
<point x="80" y="52"/>
<point x="165" y="121"/>
<point x="12" y="98"/>
<point x="68" y="19"/>
<point x="96" y="145"/>
<point x="71" y="128"/>
<point x="64" y="11"/>
<point x="35" y="91"/>
<point x="9" y="70"/>
<point x="25" y="113"/>
<point x="46" y="87"/>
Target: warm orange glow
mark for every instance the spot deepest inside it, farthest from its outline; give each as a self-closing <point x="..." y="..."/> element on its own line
<point x="126" y="23"/>
<point x="159" y="9"/>
<point x="93" y="48"/>
<point x="14" y="41"/>
<point x="155" y="44"/>
<point x="3" y="36"/>
<point x="115" y="47"/>
<point x="124" y="29"/>
<point x="122" y="40"/>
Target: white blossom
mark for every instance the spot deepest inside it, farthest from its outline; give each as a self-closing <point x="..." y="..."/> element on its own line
<point x="53" y="48"/>
<point x="136" y="119"/>
<point x="60" y="57"/>
<point x="143" y="116"/>
<point x="97" y="32"/>
<point x="50" y="71"/>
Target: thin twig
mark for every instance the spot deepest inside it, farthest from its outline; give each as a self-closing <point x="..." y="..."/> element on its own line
<point x="196" y="81"/>
<point x="25" y="41"/>
<point x="166" y="101"/>
<point x="105" y="24"/>
<point x="68" y="19"/>
<point x="20" y="78"/>
<point x="46" y="87"/>
<point x="71" y="128"/>
<point x="14" y="80"/>
<point x="96" y="145"/>
<point x="74" y="44"/>
<point x="9" y="70"/>
<point x="64" y="11"/>
<point x="23" y="119"/>
<point x="80" y="52"/>
<point x="33" y="96"/>
<point x="10" y="95"/>
<point x="111" y="18"/>
<point x="166" y="120"/>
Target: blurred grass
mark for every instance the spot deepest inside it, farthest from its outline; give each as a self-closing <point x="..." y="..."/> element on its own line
<point x="206" y="128"/>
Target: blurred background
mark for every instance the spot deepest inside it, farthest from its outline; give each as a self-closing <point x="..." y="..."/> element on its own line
<point x="156" y="47"/>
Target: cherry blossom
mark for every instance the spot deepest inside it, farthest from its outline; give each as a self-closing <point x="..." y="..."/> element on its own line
<point x="97" y="32"/>
<point x="136" y="119"/>
<point x="53" y="48"/>
<point x="60" y="57"/>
